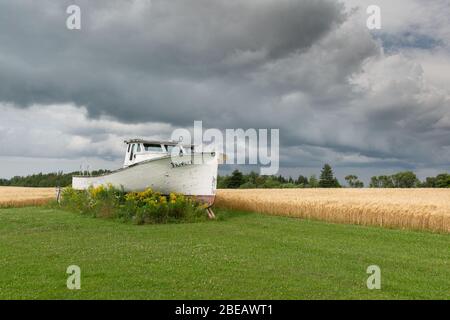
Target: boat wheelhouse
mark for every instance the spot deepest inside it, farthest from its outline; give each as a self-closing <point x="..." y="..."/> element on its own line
<point x="139" y="150"/>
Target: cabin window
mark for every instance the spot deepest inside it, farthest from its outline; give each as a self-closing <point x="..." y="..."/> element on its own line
<point x="152" y="147"/>
<point x="139" y="148"/>
<point x="129" y="147"/>
<point x="169" y="148"/>
<point x="133" y="148"/>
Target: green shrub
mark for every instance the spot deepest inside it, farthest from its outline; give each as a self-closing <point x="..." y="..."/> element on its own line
<point x="137" y="207"/>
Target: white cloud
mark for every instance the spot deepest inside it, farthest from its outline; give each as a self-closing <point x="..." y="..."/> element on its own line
<point x="66" y="131"/>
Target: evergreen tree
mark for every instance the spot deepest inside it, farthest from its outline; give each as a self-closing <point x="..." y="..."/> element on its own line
<point x="235" y="180"/>
<point x="302" y="180"/>
<point x="327" y="179"/>
<point x="252" y="177"/>
<point x="313" y="182"/>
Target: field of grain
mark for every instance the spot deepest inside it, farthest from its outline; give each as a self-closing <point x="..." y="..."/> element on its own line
<point x="415" y="209"/>
<point x="21" y="197"/>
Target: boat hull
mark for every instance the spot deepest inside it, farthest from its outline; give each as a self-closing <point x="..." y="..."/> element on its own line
<point x="192" y="175"/>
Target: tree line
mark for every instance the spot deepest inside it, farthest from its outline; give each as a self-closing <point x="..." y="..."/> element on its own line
<point x="327" y="179"/>
<point x="55" y="179"/>
<point x="408" y="179"/>
<point x="238" y="180"/>
<point x="253" y="180"/>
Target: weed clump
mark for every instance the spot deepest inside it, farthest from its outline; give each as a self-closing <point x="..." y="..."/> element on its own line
<point x="147" y="207"/>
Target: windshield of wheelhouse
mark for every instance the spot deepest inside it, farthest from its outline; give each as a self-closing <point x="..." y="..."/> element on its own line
<point x="154" y="148"/>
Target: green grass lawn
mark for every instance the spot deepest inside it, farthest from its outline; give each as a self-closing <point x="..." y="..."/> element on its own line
<point x="240" y="256"/>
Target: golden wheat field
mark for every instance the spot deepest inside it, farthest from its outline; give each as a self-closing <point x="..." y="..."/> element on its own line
<point x="416" y="209"/>
<point x="20" y="197"/>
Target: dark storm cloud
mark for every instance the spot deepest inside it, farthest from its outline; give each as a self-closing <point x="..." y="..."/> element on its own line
<point x="169" y="61"/>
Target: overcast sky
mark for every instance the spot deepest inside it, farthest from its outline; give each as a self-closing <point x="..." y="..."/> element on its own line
<point x="367" y="102"/>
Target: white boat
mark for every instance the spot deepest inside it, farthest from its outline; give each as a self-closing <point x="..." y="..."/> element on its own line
<point x="163" y="166"/>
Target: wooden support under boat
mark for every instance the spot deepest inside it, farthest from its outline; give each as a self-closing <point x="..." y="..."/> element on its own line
<point x="209" y="201"/>
<point x="210" y="212"/>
